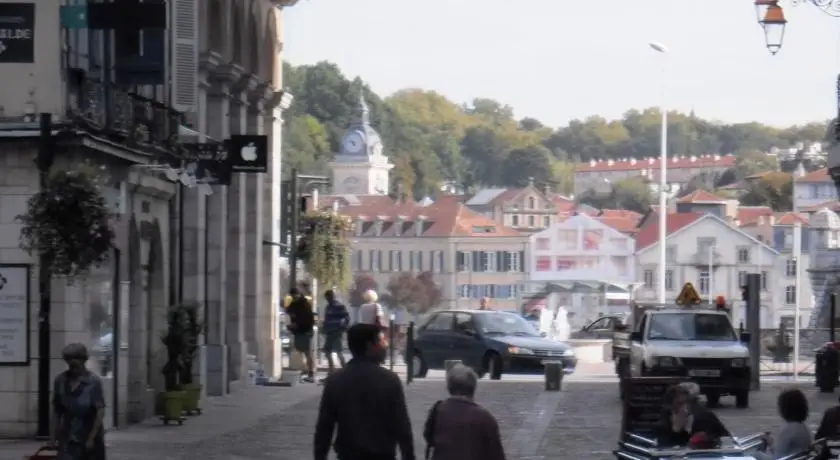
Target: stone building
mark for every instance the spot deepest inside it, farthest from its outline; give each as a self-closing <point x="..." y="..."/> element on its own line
<point x="175" y="242"/>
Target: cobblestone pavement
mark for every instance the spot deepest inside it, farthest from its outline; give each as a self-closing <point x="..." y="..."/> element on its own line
<point x="276" y="423"/>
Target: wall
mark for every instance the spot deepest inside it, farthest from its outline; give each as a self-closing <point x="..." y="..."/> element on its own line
<point x="40" y="82"/>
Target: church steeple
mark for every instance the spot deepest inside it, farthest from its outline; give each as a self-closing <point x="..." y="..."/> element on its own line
<point x="362" y="115"/>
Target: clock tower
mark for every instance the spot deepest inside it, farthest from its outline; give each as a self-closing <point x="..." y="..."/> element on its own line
<point x="360" y="168"/>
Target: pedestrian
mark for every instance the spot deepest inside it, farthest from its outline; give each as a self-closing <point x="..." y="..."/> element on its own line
<point x="301" y="325"/>
<point x="78" y="409"/>
<point x="794" y="436"/>
<point x="683" y="419"/>
<point x="336" y="321"/>
<point x="364" y="404"/>
<point x="482" y="304"/>
<point x="458" y="428"/>
<point x="371" y="312"/>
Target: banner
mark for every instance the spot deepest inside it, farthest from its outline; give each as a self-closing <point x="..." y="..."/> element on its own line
<point x="17" y="33"/>
<point x="207" y="162"/>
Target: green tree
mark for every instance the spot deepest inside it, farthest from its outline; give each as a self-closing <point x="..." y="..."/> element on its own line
<point x="306" y="144"/>
<point x="774" y="190"/>
<point x="632" y="194"/>
<point x="529" y="163"/>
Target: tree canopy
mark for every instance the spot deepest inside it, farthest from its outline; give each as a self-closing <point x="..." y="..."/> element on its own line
<point x="433" y="140"/>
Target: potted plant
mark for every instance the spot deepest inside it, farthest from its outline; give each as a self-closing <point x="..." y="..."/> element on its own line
<point x="781" y="347"/>
<point x="324" y="249"/>
<point x="175" y="342"/>
<point x="193" y="328"/>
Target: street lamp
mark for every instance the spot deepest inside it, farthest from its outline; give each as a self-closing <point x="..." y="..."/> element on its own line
<point x="774" y="23"/>
<point x="761" y="8"/>
<point x="663" y="174"/>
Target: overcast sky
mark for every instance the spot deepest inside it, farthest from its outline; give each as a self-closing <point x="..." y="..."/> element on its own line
<point x="557" y="60"/>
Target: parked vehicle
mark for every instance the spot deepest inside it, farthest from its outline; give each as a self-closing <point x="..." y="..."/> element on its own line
<point x="601" y="328"/>
<point x="491" y="342"/>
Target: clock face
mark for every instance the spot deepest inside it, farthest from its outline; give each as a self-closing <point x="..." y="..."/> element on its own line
<point x="353" y="143"/>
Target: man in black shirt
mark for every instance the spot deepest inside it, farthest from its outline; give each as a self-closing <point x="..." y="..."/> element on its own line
<point x="301" y="324"/>
<point x="366" y="403"/>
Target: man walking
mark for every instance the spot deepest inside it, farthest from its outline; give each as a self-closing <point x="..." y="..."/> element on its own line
<point x="336" y="321"/>
<point x="301" y="324"/>
<point x="364" y="405"/>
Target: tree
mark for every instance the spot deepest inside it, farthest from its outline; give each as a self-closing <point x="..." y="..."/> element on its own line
<point x="774" y="190"/>
<point x="416" y="294"/>
<point x="361" y="284"/>
<point x="631" y="194"/>
<point x="530" y="163"/>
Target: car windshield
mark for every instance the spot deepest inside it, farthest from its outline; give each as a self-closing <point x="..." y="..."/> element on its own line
<point x="505" y="324"/>
<point x="690" y="326"/>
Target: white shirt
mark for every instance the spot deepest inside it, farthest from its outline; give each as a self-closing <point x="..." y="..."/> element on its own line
<point x="369" y="312"/>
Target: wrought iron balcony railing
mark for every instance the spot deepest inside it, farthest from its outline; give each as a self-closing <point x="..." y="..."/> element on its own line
<point x="705" y="258"/>
<point x="123" y="116"/>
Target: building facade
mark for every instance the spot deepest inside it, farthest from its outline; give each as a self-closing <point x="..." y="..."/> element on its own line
<point x="715" y="257"/>
<point x="176" y="242"/>
<point x="527" y="209"/>
<point x="813" y="189"/>
<point x="584" y="265"/>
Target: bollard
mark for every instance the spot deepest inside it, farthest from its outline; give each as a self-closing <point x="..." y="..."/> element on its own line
<point x="409" y="353"/>
<point x="450" y="363"/>
<point x="553" y="376"/>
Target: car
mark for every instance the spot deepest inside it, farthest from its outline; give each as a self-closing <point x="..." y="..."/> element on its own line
<point x="601" y="328"/>
<point x="491" y="342"/>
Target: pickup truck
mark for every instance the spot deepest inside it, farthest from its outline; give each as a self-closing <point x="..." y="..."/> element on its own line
<point x="697" y="343"/>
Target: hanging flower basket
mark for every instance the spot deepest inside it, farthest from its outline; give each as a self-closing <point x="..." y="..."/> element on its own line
<point x="324" y="249"/>
<point x="67" y="223"/>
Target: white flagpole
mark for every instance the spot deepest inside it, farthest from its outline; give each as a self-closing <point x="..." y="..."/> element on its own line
<point x="797" y="256"/>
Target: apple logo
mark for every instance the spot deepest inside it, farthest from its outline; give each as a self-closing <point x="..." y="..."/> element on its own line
<point x="249" y="152"/>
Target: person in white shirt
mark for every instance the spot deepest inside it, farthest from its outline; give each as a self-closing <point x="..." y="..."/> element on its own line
<point x="371" y="312"/>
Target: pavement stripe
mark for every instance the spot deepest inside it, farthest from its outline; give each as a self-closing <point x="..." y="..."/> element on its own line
<point x="528" y="438"/>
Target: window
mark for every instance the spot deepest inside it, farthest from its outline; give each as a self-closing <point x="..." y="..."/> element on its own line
<point x="441" y="322"/>
<point x="357" y="260"/>
<point x="515" y="264"/>
<point x="744" y="255"/>
<point x="479" y="261"/>
<point x="463" y="259"/>
<point x="648" y="278"/>
<point x="790" y="295"/>
<point x="763" y="281"/>
<point x="441" y="261"/>
<point x="690" y="326"/>
<point x="532" y="203"/>
<point x="375" y="260"/>
<point x="395" y="261"/>
<point x="569" y="239"/>
<point x="543" y="244"/>
<point x="704" y="243"/>
<point x="704" y="281"/>
<point x="742" y="278"/>
<point x="790" y="267"/>
<point x="464" y="291"/>
<point x="546" y="221"/>
<point x="531" y="222"/>
<point x="669" y="280"/>
<point x="543" y="264"/>
<point x="671" y="253"/>
<point x="490" y="264"/>
<point x="514" y="220"/>
<point x="464" y="322"/>
<point x="415" y="261"/>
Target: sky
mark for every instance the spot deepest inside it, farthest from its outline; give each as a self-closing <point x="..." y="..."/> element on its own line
<point x="558" y="60"/>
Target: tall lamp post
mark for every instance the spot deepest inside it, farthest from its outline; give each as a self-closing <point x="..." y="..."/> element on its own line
<point x="663" y="175"/>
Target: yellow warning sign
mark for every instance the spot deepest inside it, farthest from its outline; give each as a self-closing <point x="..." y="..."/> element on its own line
<point x="688" y="295"/>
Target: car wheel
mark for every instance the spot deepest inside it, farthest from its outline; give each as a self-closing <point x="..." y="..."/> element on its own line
<point x="493" y="366"/>
<point x="742" y="399"/>
<point x="419" y="365"/>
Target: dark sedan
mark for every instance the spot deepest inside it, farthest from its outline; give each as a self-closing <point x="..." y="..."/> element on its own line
<point x="490" y="342"/>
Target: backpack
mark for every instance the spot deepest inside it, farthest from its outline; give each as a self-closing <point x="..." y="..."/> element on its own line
<point x="429" y="429"/>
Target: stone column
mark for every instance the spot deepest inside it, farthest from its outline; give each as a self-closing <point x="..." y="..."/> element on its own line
<point x="272" y="294"/>
<point x="255" y="307"/>
<point x="237" y="203"/>
<point x="217" y="127"/>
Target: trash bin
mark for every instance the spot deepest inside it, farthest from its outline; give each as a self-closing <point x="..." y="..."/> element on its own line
<point x="827" y="368"/>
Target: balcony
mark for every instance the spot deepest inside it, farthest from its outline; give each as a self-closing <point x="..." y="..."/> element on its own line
<point x="122" y="116"/>
<point x="705" y="258"/>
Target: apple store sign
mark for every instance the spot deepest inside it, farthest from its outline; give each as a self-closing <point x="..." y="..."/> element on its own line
<point x="248" y="154"/>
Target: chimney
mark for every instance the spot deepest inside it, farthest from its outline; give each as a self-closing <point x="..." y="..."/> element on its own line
<point x="530" y="182"/>
<point x="547" y="189"/>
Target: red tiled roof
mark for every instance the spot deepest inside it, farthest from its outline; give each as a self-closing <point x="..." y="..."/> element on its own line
<point x="446" y="217"/>
<point x="701" y="196"/>
<point x="702" y="161"/>
<point x="649" y="233"/>
<point x="790" y="218"/>
<point x="740" y="185"/>
<point x="815" y="177"/>
<point x="621" y="213"/>
<point x="626" y="225"/>
<point x="749" y="214"/>
<point x="830" y="205"/>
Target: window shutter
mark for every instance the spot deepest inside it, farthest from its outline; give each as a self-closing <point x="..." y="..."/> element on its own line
<point x="184" y="55"/>
<point x="522" y="261"/>
<point x="476" y="261"/>
<point x="500" y="261"/>
<point x="459" y="260"/>
<point x="441" y="262"/>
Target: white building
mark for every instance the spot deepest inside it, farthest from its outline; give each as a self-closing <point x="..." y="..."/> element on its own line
<point x="583" y="265"/>
<point x="813" y="189"/>
<point x="714" y="256"/>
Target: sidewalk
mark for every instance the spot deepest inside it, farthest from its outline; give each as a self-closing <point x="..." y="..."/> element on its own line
<point x="221" y="416"/>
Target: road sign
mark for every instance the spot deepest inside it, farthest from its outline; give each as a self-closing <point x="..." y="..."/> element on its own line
<point x="17" y="32"/>
<point x="688" y="295"/>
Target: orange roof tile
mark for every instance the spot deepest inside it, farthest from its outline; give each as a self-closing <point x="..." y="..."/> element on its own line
<point x="622" y="213"/>
<point x="444" y="218"/>
<point x="701" y="196"/>
<point x="626" y="225"/>
<point x="747" y="215"/>
<point x="702" y="161"/>
<point x="832" y="205"/>
<point x="649" y="233"/>
<point x="815" y="177"/>
<point x="790" y="218"/>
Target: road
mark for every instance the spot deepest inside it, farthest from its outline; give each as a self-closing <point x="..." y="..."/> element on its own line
<point x="276" y="423"/>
